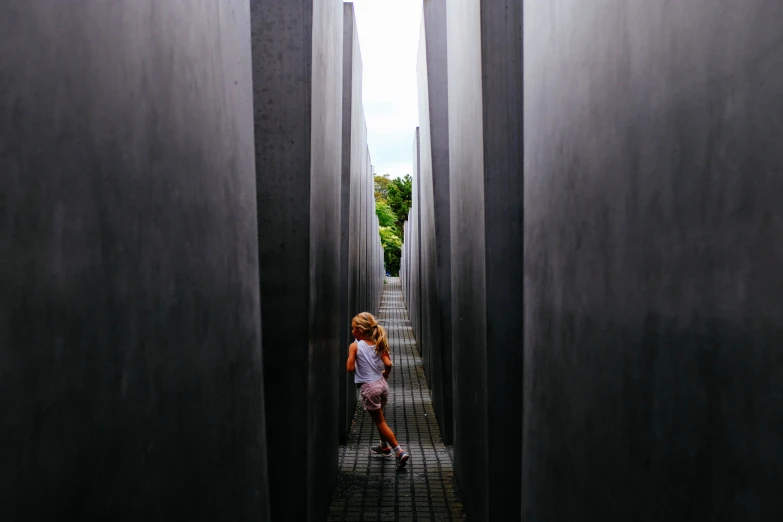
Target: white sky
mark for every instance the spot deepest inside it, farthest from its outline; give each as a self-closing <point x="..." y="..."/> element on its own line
<point x="389" y="40"/>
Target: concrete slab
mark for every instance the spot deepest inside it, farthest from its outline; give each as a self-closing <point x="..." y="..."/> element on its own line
<point x="485" y="152"/>
<point x="298" y="90"/>
<point x="652" y="230"/>
<point x="349" y="264"/>
<point x="362" y="255"/>
<point x="414" y="241"/>
<point x="131" y="367"/>
<point x="435" y="228"/>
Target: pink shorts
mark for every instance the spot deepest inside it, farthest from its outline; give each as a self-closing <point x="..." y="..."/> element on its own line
<point x="375" y="394"/>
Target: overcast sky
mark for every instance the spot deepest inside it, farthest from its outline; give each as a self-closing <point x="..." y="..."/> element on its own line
<point x="389" y="39"/>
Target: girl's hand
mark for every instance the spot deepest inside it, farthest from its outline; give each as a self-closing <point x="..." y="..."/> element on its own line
<point x="387" y="365"/>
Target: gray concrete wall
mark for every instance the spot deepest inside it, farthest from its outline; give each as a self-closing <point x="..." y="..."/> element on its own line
<point x="131" y="385"/>
<point x="653" y="284"/>
<point x="352" y="119"/>
<point x="374" y="268"/>
<point x="404" y="263"/>
<point x="428" y="284"/>
<point x="413" y="235"/>
<point x="298" y="90"/>
<point x="377" y="272"/>
<point x="361" y="202"/>
<point x="435" y="225"/>
<point x="485" y="153"/>
<point x="361" y="255"/>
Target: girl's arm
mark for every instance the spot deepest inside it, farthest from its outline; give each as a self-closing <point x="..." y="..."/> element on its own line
<point x="351" y="364"/>
<point x="387" y="364"/>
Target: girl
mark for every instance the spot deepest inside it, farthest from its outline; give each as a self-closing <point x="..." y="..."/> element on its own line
<point x="369" y="358"/>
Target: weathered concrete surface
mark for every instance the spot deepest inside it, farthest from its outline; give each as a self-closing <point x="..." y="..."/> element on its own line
<point x="352" y="127"/>
<point x="485" y="152"/>
<point x="362" y="268"/>
<point x="130" y="368"/>
<point x="297" y="65"/>
<point x="435" y="226"/>
<point x="427" y="282"/>
<point x="405" y="264"/>
<point x="653" y="220"/>
<point x="413" y="242"/>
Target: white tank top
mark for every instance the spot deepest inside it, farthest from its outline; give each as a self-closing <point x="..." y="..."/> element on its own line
<point x="369" y="366"/>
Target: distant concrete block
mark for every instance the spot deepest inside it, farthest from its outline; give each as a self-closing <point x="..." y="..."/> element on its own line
<point x="414" y="229"/>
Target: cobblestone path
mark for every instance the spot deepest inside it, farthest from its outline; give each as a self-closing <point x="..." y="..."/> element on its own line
<point x="368" y="488"/>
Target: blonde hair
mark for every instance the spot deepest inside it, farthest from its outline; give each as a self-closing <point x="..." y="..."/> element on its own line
<point x="371" y="329"/>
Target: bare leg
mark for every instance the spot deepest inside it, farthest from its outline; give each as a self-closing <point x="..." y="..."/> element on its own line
<point x="383" y="439"/>
<point x="383" y="429"/>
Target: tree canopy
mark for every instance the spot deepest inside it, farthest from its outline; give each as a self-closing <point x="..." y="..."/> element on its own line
<point x="393" y="199"/>
<point x="382" y="187"/>
<point x="400" y="198"/>
<point x="386" y="216"/>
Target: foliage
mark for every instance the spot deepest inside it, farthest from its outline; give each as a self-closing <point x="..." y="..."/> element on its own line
<point x="392" y="248"/>
<point x="386" y="216"/>
<point x="389" y="236"/>
<point x="382" y="187"/>
<point x="400" y="198"/>
<point x="392" y="202"/>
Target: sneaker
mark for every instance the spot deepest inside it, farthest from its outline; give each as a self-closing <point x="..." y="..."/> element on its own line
<point x="385" y="451"/>
<point x="402" y="460"/>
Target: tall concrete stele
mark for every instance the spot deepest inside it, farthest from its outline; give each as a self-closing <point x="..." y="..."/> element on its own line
<point x="485" y="164"/>
<point x="297" y="84"/>
<point x="137" y="237"/>
<point x="654" y="289"/>
<point x="316" y="268"/>
<point x="650" y="345"/>
<point x="410" y="272"/>
<point x="463" y="243"/>
<point x="131" y="383"/>
<point x="362" y="270"/>
<point x="434" y="194"/>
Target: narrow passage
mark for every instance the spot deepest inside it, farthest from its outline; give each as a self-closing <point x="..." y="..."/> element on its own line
<point x="368" y="488"/>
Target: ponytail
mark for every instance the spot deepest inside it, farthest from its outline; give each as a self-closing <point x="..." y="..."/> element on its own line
<point x="381" y="342"/>
<point x="370" y="328"/>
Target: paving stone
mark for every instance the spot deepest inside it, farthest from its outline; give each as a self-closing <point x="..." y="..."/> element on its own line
<point x="368" y="488"/>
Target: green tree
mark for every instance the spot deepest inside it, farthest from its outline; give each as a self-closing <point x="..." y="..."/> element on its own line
<point x="382" y="187"/>
<point x="400" y="199"/>
<point x="392" y="248"/>
<point x="386" y="216"/>
<point x="392" y="204"/>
